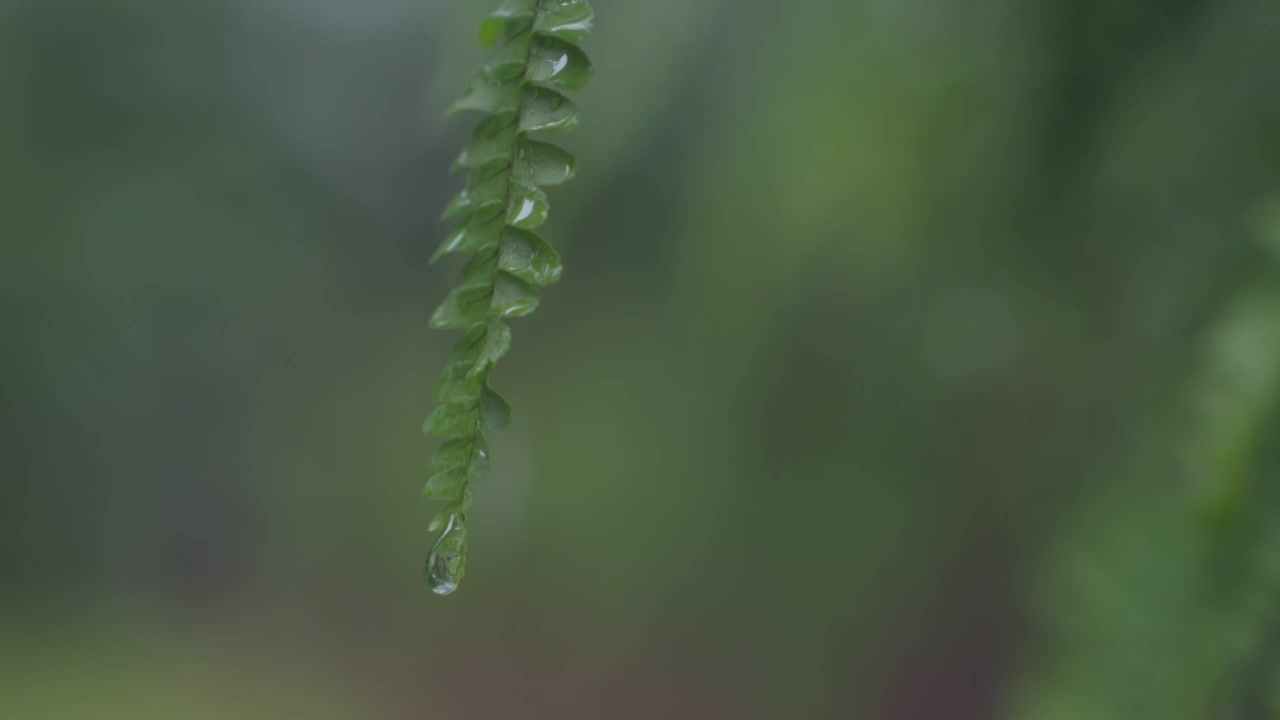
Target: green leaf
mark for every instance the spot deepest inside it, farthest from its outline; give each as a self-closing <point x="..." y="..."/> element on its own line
<point x="486" y="186"/>
<point x="453" y="419"/>
<point x="565" y="19"/>
<point x="456" y="384"/>
<point x="543" y="163"/>
<point x="470" y="453"/>
<point x="479" y="465"/>
<point x="527" y="206"/>
<point x="473" y="355"/>
<point x="480" y="268"/>
<point x="468" y="346"/>
<point x="493" y="139"/>
<point x="460" y="204"/>
<point x="513" y="297"/>
<point x="509" y="63"/>
<point x="497" y="341"/>
<point x="545" y="110"/>
<point x="489" y="92"/>
<point x="481" y="229"/>
<point x="446" y="484"/>
<point x="463" y="308"/>
<point x="459" y="506"/>
<point x="528" y="257"/>
<point x="488" y="183"/>
<point x="553" y="61"/>
<point x="509" y="19"/>
<point x="495" y="411"/>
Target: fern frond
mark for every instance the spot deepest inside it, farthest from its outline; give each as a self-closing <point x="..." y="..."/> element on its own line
<point x="503" y="202"/>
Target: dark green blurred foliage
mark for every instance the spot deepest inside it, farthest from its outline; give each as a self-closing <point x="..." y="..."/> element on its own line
<point x="1167" y="604"/>
<point x="874" y="386"/>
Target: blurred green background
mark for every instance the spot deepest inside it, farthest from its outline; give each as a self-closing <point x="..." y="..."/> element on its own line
<point x="912" y="360"/>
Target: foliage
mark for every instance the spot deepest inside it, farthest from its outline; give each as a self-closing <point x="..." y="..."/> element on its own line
<point x="519" y="92"/>
<point x="1164" y="598"/>
<point x="941" y="278"/>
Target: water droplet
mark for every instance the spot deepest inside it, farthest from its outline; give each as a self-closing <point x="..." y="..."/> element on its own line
<point x="448" y="559"/>
<point x="526" y="209"/>
<point x="558" y="64"/>
<point x="528" y="212"/>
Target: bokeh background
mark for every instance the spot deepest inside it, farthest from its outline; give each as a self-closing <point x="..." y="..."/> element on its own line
<point x="913" y="359"/>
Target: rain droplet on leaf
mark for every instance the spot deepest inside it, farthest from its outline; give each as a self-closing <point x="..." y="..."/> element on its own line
<point x="448" y="559"/>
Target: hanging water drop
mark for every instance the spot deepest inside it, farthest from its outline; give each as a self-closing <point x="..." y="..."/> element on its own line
<point x="448" y="558"/>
